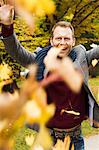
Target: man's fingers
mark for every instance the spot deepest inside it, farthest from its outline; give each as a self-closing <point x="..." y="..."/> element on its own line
<point x="6" y="14"/>
<point x="1" y="3"/>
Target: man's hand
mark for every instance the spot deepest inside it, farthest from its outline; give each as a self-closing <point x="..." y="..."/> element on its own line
<point x="6" y="14"/>
<point x="51" y="61"/>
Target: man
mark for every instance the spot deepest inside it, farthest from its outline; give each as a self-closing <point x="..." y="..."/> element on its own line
<point x="84" y="103"/>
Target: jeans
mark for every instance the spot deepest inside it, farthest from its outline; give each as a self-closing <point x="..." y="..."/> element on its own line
<point x="75" y="136"/>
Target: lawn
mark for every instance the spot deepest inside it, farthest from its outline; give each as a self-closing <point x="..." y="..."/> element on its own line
<point x="87" y="130"/>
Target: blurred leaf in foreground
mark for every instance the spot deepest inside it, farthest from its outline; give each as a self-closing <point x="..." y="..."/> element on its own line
<point x="60" y="145"/>
<point x="29" y="9"/>
<point x="43" y="140"/>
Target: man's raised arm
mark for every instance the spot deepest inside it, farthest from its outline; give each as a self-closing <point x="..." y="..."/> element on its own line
<point x="11" y="43"/>
<point x="92" y="54"/>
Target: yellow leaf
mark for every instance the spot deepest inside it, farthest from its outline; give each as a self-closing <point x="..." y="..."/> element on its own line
<point x="70" y="112"/>
<point x="94" y="62"/>
<point x="43" y="139"/>
<point x="35" y="113"/>
<point x="40" y="96"/>
<point x="29" y="140"/>
<point x="60" y="145"/>
<point x="3" y="124"/>
<point x="32" y="111"/>
<point x="5" y="72"/>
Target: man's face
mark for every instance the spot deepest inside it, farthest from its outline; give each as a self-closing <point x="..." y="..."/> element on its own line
<point x="63" y="38"/>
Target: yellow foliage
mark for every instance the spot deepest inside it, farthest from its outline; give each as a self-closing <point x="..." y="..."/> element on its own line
<point x="5" y="72"/>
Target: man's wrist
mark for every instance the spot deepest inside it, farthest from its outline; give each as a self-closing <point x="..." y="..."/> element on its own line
<point x="7" y="30"/>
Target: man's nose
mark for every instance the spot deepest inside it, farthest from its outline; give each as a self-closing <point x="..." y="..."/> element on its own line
<point x="62" y="41"/>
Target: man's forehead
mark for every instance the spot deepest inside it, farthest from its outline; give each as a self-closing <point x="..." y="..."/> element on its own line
<point x="62" y="31"/>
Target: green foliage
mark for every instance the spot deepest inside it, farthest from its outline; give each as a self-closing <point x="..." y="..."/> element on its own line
<point x="20" y="143"/>
<point x="87" y="130"/>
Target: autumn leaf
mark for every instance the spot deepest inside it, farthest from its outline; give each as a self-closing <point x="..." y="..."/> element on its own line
<point x="64" y="69"/>
<point x="94" y="62"/>
<point x="39" y="8"/>
<point x="29" y="140"/>
<point x="36" y="113"/>
<point x="5" y="72"/>
<point x="28" y="10"/>
<point x="3" y="124"/>
<point x="43" y="139"/>
<point x="70" y="112"/>
<point x="60" y="145"/>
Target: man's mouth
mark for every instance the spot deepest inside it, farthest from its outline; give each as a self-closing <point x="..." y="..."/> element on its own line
<point x="64" y="50"/>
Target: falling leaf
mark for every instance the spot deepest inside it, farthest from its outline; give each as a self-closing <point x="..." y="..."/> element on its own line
<point x="40" y="96"/>
<point x="32" y="111"/>
<point x="70" y="112"/>
<point x="35" y="6"/>
<point x="94" y="62"/>
<point x="65" y="68"/>
<point x="37" y="147"/>
<point x="29" y="9"/>
<point x="60" y="145"/>
<point x="3" y="124"/>
<point x="35" y="113"/>
<point x="29" y="140"/>
<point x="43" y="139"/>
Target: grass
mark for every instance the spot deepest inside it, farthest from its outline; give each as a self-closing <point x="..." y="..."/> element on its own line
<point x="20" y="142"/>
<point x="94" y="84"/>
<point x="86" y="128"/>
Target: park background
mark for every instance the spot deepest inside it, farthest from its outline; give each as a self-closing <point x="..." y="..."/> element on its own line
<point x="84" y="15"/>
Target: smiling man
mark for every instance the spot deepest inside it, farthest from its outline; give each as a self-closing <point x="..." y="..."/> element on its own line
<point x="71" y="108"/>
<point x="63" y="37"/>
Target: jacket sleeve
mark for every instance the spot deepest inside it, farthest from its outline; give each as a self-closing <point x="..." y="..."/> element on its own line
<point x="92" y="54"/>
<point x="17" y="51"/>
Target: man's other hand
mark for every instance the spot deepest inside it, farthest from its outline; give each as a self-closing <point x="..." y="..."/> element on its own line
<point x="6" y="14"/>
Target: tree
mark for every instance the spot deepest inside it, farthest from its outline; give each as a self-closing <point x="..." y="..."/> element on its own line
<point x="83" y="14"/>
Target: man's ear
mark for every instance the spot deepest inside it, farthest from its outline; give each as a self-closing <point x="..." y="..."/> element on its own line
<point x="51" y="41"/>
<point x="74" y="40"/>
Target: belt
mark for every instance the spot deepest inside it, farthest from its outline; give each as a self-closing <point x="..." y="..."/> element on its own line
<point x="68" y="130"/>
<point x="61" y="133"/>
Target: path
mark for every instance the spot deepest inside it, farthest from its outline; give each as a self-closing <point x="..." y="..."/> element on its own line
<point x="92" y="143"/>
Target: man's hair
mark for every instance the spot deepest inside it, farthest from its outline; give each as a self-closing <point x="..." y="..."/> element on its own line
<point x="64" y="24"/>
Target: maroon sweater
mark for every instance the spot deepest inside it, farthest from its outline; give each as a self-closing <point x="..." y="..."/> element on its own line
<point x="60" y="94"/>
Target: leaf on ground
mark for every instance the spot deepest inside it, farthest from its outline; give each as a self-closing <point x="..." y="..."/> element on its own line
<point x="29" y="140"/>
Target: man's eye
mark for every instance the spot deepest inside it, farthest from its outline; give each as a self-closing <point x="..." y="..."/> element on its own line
<point x="58" y="38"/>
<point x="67" y="39"/>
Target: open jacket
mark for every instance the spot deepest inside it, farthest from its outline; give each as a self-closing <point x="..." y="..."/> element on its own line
<point x="81" y="58"/>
